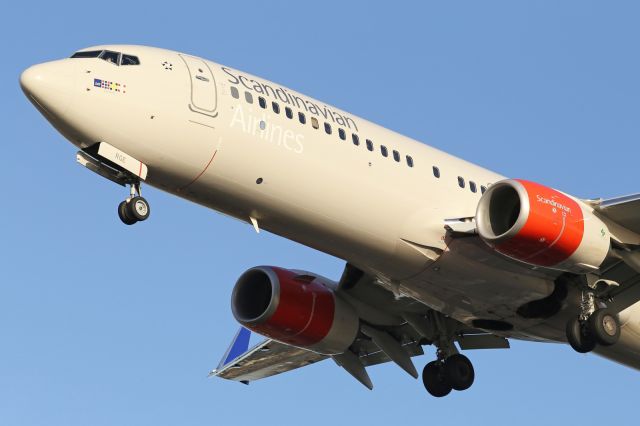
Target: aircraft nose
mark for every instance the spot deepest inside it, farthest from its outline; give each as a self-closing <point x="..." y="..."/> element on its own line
<point x="48" y="86"/>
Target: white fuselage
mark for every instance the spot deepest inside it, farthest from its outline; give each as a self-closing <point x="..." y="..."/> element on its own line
<point x="179" y="115"/>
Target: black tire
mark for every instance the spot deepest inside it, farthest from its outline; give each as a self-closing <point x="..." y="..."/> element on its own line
<point x="138" y="208"/>
<point x="604" y="327"/>
<point x="434" y="380"/>
<point x="458" y="371"/>
<point x="124" y="214"/>
<point x="579" y="337"/>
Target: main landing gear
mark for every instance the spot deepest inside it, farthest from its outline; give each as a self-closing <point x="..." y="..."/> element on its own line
<point x="595" y="325"/>
<point x="442" y="376"/>
<point x="135" y="208"/>
<point x="451" y="370"/>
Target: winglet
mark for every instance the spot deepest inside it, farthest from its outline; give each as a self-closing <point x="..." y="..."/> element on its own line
<point x="239" y="345"/>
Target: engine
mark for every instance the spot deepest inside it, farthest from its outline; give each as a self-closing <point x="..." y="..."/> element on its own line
<point x="542" y="227"/>
<point x="295" y="308"/>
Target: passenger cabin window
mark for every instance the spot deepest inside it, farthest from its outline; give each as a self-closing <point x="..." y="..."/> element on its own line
<point x="369" y="145"/>
<point x="302" y="118"/>
<point x="129" y="60"/>
<point x="87" y="54"/>
<point x="288" y="112"/>
<point x="248" y="97"/>
<point x="436" y="172"/>
<point x="355" y="139"/>
<point x="472" y="186"/>
<point x="262" y="102"/>
<point x="460" y="182"/>
<point x="327" y="128"/>
<point x="110" y="56"/>
<point x="276" y="107"/>
<point x="396" y="155"/>
<point x="409" y="161"/>
<point x="234" y="92"/>
<point x="342" y="134"/>
<point x="483" y="189"/>
<point x="314" y="123"/>
<point x="384" y="151"/>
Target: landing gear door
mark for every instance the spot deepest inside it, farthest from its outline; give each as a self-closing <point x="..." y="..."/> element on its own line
<point x="204" y="96"/>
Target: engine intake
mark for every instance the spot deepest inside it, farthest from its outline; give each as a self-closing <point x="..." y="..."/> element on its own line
<point x="296" y="308"/>
<point x="542" y="227"/>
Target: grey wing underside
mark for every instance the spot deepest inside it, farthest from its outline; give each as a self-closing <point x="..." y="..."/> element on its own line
<point x="624" y="211"/>
<point x="266" y="359"/>
<point x="270" y="357"/>
<point x="409" y="327"/>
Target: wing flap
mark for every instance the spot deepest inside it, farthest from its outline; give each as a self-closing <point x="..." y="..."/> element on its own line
<point x="379" y="357"/>
<point x="482" y="341"/>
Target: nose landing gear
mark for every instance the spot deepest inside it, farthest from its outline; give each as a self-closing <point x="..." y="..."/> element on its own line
<point x="135" y="208"/>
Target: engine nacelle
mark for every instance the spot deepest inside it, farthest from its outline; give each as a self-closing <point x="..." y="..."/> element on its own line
<point x="542" y="227"/>
<point x="296" y="308"/>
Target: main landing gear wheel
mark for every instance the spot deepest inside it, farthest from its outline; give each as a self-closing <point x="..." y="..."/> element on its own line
<point x="579" y="336"/>
<point x="604" y="326"/>
<point x="135" y="208"/>
<point x="595" y="324"/>
<point x="434" y="379"/>
<point x="454" y="373"/>
<point x="458" y="371"/>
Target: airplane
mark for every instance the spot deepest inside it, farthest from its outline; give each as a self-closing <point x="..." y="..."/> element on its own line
<point x="437" y="250"/>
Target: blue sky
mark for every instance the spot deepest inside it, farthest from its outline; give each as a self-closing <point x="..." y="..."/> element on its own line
<point x="102" y="324"/>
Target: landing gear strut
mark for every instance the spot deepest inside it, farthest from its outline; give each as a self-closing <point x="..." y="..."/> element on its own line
<point x="595" y="325"/>
<point x="135" y="208"/>
<point x="451" y="371"/>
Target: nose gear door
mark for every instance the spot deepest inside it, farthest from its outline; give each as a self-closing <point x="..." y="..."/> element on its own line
<point x="204" y="96"/>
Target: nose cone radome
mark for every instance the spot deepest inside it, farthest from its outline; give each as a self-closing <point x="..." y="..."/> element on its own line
<point x="49" y="86"/>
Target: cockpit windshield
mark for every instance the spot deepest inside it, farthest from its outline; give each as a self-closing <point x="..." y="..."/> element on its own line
<point x="110" y="56"/>
<point x="129" y="60"/>
<point x="87" y="54"/>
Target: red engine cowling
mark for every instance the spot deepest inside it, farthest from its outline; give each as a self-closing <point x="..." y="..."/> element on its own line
<point x="542" y="227"/>
<point x="295" y="308"/>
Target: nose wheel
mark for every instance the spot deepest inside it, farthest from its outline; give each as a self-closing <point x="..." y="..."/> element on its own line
<point x="135" y="208"/>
